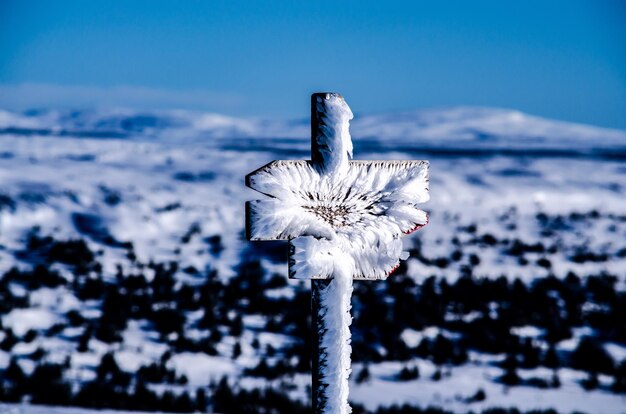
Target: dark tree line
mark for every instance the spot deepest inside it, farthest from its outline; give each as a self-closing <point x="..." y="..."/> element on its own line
<point x="471" y="314"/>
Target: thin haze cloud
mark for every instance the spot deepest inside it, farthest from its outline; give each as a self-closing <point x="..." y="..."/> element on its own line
<point x="35" y="95"/>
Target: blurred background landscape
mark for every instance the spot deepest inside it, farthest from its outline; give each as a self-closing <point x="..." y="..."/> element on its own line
<point x="126" y="129"/>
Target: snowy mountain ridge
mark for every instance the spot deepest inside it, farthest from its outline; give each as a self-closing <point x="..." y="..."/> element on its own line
<point x="456" y="126"/>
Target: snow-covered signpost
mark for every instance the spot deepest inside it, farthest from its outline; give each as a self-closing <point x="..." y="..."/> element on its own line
<point x="344" y="220"/>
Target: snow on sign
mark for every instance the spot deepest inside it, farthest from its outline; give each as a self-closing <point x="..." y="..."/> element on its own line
<point x="344" y="220"/>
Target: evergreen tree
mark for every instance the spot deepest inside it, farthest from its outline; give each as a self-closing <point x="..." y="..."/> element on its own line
<point x="408" y="373"/>
<point x="590" y="356"/>
<point x="510" y="376"/>
<point x="363" y="375"/>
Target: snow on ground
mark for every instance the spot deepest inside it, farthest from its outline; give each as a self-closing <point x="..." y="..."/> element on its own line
<point x="201" y="369"/>
<point x="156" y="193"/>
<point x="172" y="184"/>
<point x="22" y="320"/>
<point x="454" y="390"/>
<point x="42" y="409"/>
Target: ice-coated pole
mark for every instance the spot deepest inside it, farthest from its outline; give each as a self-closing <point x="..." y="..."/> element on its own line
<point x="344" y="220"/>
<point x="331" y="147"/>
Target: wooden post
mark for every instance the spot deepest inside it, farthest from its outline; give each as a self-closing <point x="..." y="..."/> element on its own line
<point x="343" y="220"/>
<point x="317" y="333"/>
<point x="328" y="160"/>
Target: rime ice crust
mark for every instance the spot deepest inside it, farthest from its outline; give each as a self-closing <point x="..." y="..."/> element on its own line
<point x="364" y="211"/>
<point x="332" y="205"/>
<point x="331" y="144"/>
<point x="361" y="208"/>
<point x="334" y="347"/>
<point x="344" y="220"/>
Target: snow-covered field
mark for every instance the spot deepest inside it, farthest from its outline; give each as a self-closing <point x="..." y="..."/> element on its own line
<point x="171" y="183"/>
<point x="44" y="409"/>
<point x="150" y="179"/>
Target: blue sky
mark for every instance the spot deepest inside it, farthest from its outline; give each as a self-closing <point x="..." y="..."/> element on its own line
<point x="559" y="59"/>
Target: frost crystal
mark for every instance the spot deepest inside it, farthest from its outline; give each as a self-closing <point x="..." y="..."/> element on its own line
<point x="364" y="211"/>
<point x="334" y="346"/>
<point x="344" y="220"/>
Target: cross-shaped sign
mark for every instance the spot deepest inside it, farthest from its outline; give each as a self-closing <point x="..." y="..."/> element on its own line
<point x="344" y="220"/>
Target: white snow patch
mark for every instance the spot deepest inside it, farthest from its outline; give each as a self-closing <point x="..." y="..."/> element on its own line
<point x="23" y="320"/>
<point x="411" y="337"/>
<point x="527" y="331"/>
<point x="200" y="369"/>
<point x="617" y="351"/>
